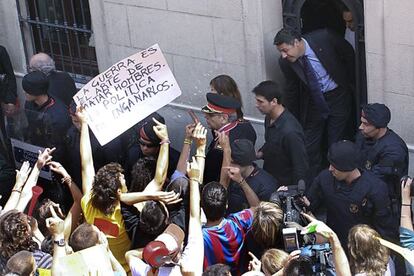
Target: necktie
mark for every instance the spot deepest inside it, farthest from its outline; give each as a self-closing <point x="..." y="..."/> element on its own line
<point x="315" y="88"/>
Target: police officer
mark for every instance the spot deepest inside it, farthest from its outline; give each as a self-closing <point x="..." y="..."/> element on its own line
<point x="48" y="118"/>
<point x="383" y="152"/>
<point x="351" y="195"/>
<point x="220" y="114"/>
<point x="243" y="170"/>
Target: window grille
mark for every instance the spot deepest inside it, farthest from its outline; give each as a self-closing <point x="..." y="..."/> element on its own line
<point x="62" y="29"/>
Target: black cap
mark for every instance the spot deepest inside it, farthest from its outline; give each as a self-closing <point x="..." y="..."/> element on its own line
<point x="35" y="83"/>
<point x="243" y="152"/>
<point x="343" y="155"/>
<point x="378" y="115"/>
<point x="220" y="104"/>
<point x="147" y="132"/>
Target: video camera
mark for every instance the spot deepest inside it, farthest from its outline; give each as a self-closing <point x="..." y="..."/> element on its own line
<point x="290" y="202"/>
<point x="319" y="255"/>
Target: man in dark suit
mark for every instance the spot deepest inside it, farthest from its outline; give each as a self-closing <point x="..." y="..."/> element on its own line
<point x="319" y="71"/>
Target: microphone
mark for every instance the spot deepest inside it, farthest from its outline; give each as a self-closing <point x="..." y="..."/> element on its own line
<point x="301" y="187"/>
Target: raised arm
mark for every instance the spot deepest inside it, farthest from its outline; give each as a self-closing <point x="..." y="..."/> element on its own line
<point x="27" y="193"/>
<point x="185" y="152"/>
<point x="193" y="255"/>
<point x="406" y="220"/>
<point x="136" y="197"/>
<point x="71" y="220"/>
<point x="225" y="145"/>
<point x="339" y="256"/>
<point x="200" y="138"/>
<point x="235" y="175"/>
<point x="88" y="170"/>
<point x="162" y="161"/>
<point x="56" y="228"/>
<point x="21" y="177"/>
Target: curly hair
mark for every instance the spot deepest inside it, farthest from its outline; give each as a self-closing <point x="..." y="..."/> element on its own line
<point x="142" y="173"/>
<point x="43" y="212"/>
<point x="15" y="234"/>
<point x="267" y="224"/>
<point x="366" y="254"/>
<point x="105" y="187"/>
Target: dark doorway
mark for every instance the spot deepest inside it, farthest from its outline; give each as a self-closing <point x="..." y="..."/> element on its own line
<point x="309" y="15"/>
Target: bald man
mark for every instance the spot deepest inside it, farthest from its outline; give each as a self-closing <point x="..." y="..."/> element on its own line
<point x="61" y="84"/>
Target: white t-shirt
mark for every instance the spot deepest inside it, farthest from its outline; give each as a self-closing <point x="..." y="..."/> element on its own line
<point x="140" y="268"/>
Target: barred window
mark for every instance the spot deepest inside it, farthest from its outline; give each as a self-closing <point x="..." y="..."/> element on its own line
<point x="62" y="29"/>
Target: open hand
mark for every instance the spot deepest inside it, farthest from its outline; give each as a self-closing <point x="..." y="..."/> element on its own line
<point x="200" y="135"/>
<point x="22" y="175"/>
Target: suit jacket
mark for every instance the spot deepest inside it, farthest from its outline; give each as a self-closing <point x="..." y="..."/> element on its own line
<point x="337" y="57"/>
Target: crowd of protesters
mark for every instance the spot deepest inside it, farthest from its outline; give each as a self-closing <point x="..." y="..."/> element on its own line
<point x="150" y="209"/>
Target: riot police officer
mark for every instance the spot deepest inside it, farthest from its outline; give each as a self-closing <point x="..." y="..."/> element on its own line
<point x="351" y="195"/>
<point x="383" y="152"/>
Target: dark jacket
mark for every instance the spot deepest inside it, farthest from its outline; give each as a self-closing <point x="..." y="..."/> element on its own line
<point x="8" y="88"/>
<point x="61" y="86"/>
<point x="337" y="57"/>
<point x="365" y="201"/>
<point x="284" y="152"/>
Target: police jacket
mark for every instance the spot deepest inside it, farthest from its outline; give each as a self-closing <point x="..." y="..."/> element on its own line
<point x="386" y="157"/>
<point x="365" y="200"/>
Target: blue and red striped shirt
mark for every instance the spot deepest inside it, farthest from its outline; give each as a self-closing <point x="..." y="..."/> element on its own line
<point x="224" y="243"/>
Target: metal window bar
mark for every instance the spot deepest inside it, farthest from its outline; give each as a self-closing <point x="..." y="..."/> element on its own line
<point x="62" y="29"/>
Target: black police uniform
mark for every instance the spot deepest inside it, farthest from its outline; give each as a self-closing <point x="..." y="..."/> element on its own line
<point x="365" y="201"/>
<point x="261" y="182"/>
<point x="284" y="151"/>
<point x="387" y="158"/>
<point x="238" y="129"/>
<point x="214" y="156"/>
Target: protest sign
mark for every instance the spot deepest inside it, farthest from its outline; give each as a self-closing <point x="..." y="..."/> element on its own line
<point x="27" y="152"/>
<point x="127" y="92"/>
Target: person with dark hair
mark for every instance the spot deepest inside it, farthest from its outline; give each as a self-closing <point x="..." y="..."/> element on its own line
<point x="22" y="263"/>
<point x="350" y="26"/>
<point x="8" y="87"/>
<point x="61" y="84"/>
<point x="243" y="169"/>
<point x="16" y="234"/>
<point x="142" y="173"/>
<point x="220" y="116"/>
<point x="319" y="68"/>
<point x="102" y="155"/>
<point x="148" y="145"/>
<point x="283" y="152"/>
<point x="383" y="152"/>
<point x="224" y="237"/>
<point x="47" y="117"/>
<point x="352" y="196"/>
<point x="217" y="270"/>
<point x="225" y="85"/>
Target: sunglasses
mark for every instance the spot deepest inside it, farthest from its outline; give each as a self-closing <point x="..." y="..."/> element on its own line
<point x="146" y="144"/>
